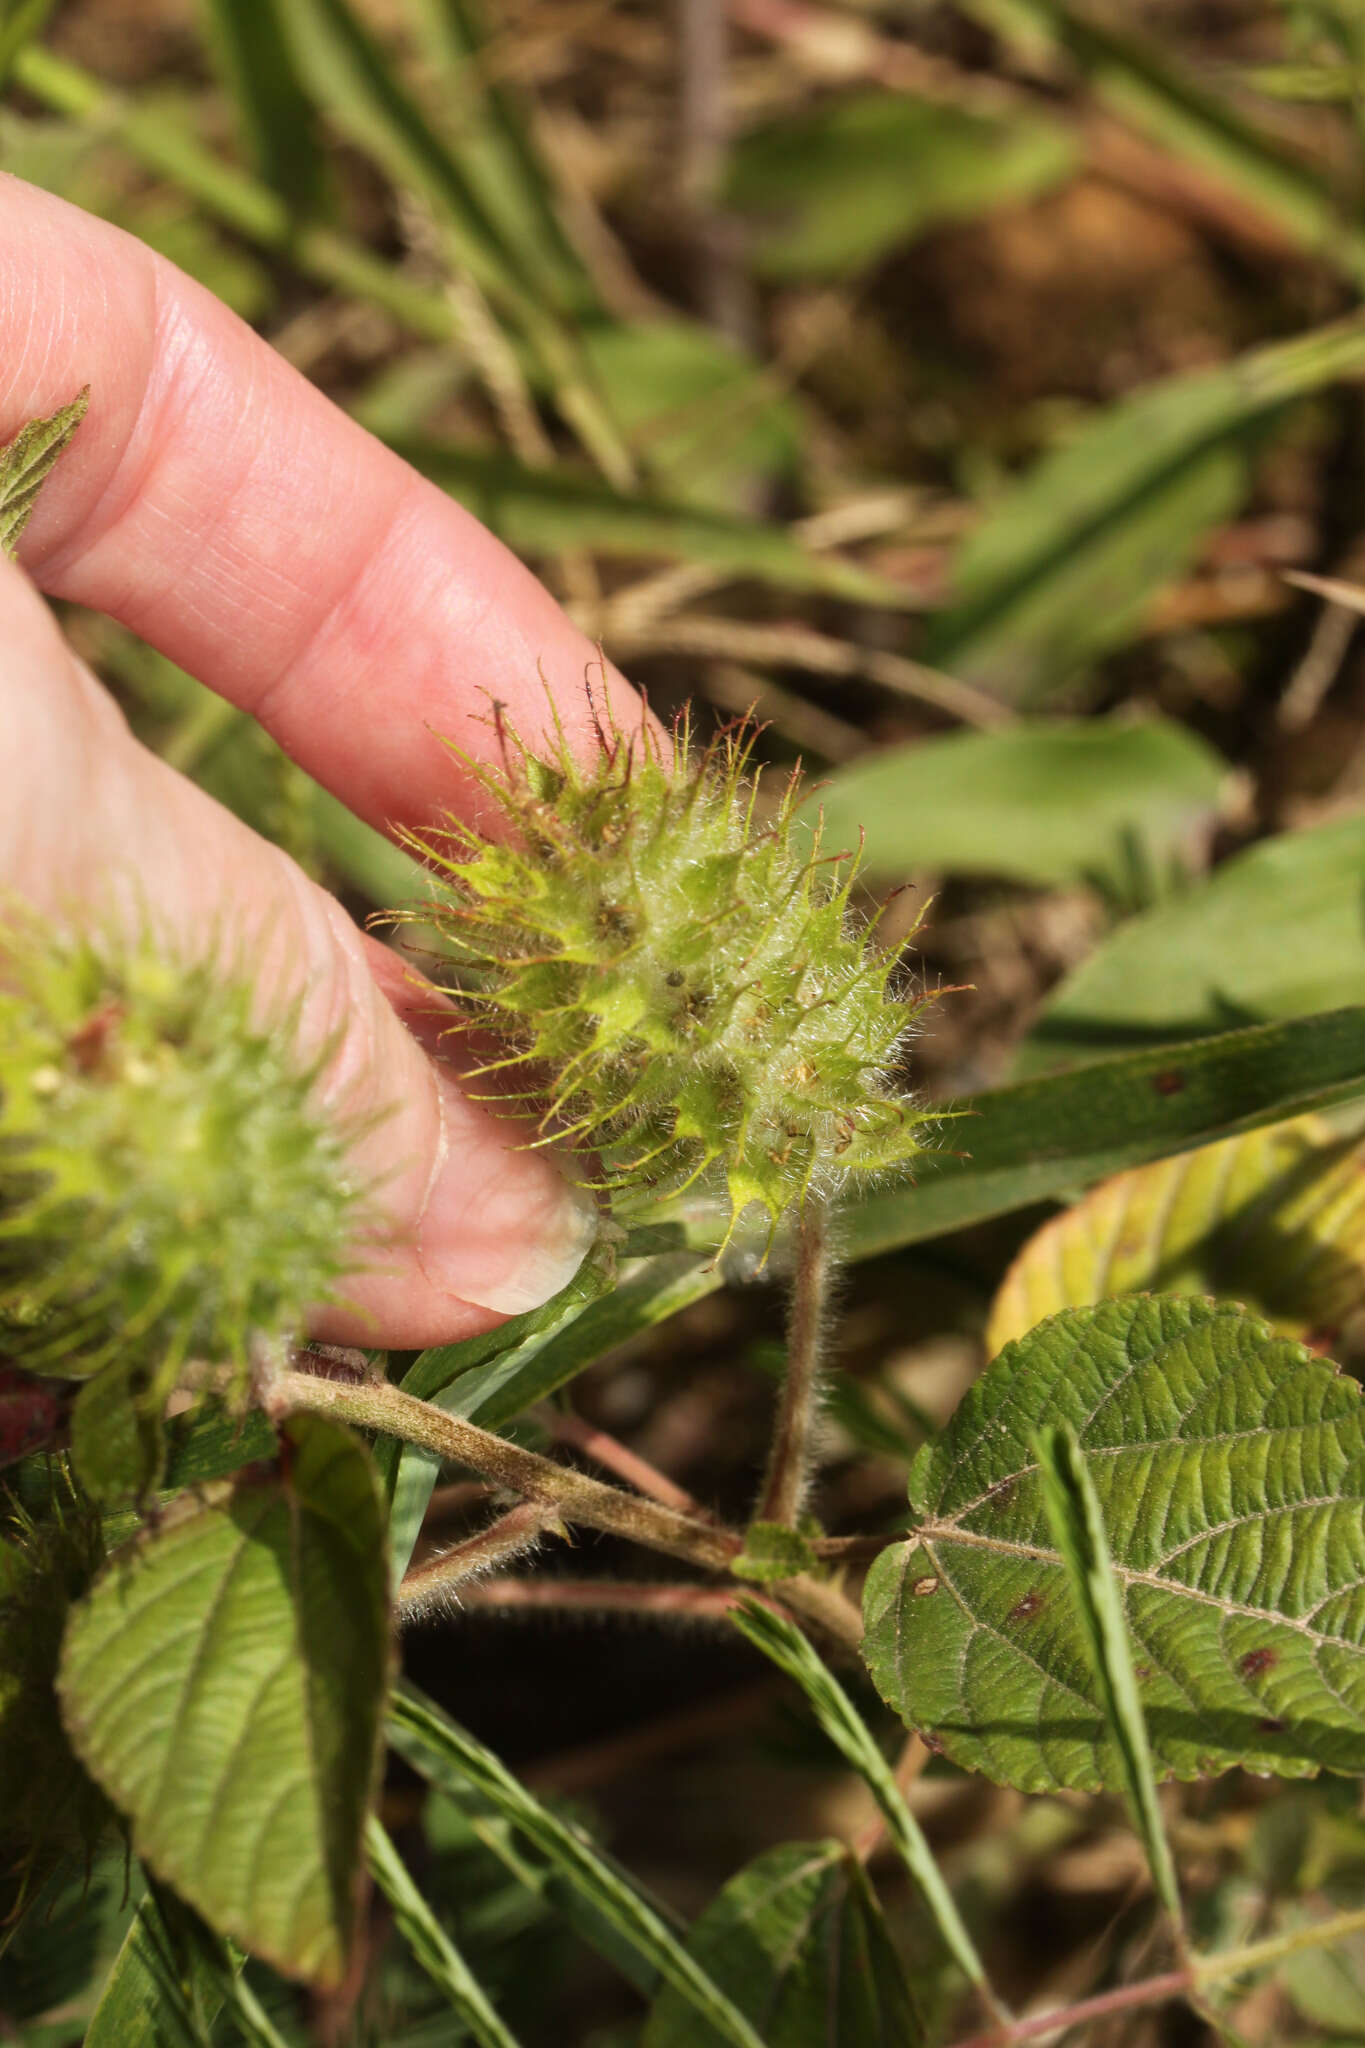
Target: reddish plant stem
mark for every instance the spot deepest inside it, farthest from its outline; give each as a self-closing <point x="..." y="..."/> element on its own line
<point x="613" y="1596"/>
<point x="1150" y="1991"/>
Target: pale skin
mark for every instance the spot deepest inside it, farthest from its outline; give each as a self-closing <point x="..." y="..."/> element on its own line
<point x="218" y="505"/>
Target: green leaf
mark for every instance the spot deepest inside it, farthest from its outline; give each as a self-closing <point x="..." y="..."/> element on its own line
<point x="542" y="511"/>
<point x="1230" y="1470"/>
<point x="449" y="1758"/>
<point x="1043" y="804"/>
<point x="118" y="1436"/>
<point x="1274" y="1220"/>
<point x="224" y="1683"/>
<point x="1274" y="932"/>
<point x="1066" y="560"/>
<point x="155" y="1996"/>
<point x="169" y="1982"/>
<point x="798" y="1941"/>
<point x="431" y="1945"/>
<point x="829" y="190"/>
<point x="27" y="461"/>
<point x="700" y="412"/>
<point x="785" y="1646"/>
<point x="1073" y="1513"/>
<point x="1042" y="1139"/>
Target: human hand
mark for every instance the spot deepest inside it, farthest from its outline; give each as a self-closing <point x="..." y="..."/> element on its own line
<point x="222" y="508"/>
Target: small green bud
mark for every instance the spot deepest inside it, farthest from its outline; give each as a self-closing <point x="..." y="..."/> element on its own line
<point x="683" y="979"/>
<point x="168" y="1182"/>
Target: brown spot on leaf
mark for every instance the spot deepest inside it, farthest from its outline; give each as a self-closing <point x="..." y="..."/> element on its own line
<point x="1256" y="1661"/>
<point x="1142" y="1672"/>
<point x="933" y="1743"/>
<point x="1025" y="1609"/>
<point x="1270" y="1727"/>
<point x="923" y="1587"/>
<point x="1169" y="1081"/>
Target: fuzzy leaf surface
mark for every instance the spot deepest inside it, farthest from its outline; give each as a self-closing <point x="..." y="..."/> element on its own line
<point x="1229" y="1466"/>
<point x="224" y="1682"/>
<point x="1274" y="1219"/>
<point x="798" y="1941"/>
<point x="25" y="463"/>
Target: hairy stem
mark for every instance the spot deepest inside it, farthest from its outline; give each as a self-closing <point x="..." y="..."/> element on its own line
<point x="430" y="1585"/>
<point x="625" y="1463"/>
<point x="789" y="1460"/>
<point x="377" y="1404"/>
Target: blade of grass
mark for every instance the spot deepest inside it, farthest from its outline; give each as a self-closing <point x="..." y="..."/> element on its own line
<point x="26" y="20"/>
<point x="450" y="1759"/>
<point x="546" y="512"/>
<point x="350" y="75"/>
<point x="1073" y="1512"/>
<point x="274" y="111"/>
<point x="783" y="1643"/>
<point x="1038" y="1140"/>
<point x="170" y="148"/>
<point x="488" y="135"/>
<point x="430" y="1944"/>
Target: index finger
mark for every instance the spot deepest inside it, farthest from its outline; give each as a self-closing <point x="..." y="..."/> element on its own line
<point x="219" y="505"/>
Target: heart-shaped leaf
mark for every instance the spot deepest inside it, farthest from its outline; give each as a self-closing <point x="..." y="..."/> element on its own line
<point x="1274" y="1219"/>
<point x="1229" y="1465"/>
<point x="224" y="1682"/>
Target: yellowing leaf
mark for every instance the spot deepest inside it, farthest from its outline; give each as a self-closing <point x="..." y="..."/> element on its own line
<point x="1274" y="1218"/>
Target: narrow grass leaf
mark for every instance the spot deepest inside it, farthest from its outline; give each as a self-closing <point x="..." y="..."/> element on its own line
<point x="1073" y="1514"/>
<point x="449" y="1758"/>
<point x="1229" y="1465"/>
<point x="430" y="1943"/>
<point x="224" y="1683"/>
<point x="491" y="137"/>
<point x="275" y="112"/>
<point x="1140" y="84"/>
<point x="548" y="510"/>
<point x="1045" y="1138"/>
<point x="1066" y="560"/>
<point x="783" y="1643"/>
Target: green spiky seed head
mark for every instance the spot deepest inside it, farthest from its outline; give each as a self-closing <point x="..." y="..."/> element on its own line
<point x="169" y="1184"/>
<point x="680" y="976"/>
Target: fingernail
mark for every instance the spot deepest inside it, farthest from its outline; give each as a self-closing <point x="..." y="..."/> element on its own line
<point x="502" y="1229"/>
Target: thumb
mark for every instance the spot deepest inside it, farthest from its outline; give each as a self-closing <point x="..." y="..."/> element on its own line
<point x="96" y="829"/>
